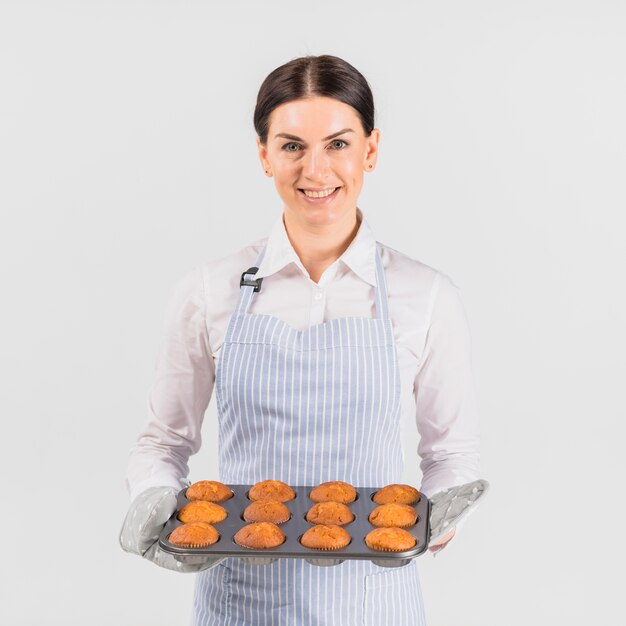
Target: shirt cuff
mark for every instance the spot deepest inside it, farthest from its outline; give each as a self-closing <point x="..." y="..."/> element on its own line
<point x="445" y="479"/>
<point x="157" y="480"/>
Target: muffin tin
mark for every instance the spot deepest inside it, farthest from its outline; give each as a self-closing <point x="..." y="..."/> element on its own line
<point x="294" y="528"/>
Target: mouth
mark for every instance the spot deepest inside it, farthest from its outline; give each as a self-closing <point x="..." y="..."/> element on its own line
<point x="320" y="197"/>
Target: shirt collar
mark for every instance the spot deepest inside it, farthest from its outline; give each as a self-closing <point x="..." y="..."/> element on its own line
<point x="358" y="256"/>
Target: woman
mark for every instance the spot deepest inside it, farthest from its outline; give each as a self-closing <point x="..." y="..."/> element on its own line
<point x="313" y="357"/>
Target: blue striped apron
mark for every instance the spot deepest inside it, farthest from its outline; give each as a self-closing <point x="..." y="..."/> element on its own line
<point x="306" y="407"/>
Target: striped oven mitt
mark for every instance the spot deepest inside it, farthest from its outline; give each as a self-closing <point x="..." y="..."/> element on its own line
<point x="450" y="506"/>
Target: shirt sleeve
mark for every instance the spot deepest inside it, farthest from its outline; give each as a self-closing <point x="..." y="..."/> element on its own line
<point x="445" y="399"/>
<point x="180" y="393"/>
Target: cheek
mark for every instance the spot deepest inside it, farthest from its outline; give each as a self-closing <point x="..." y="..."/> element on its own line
<point x="286" y="176"/>
<point x="285" y="181"/>
<point x="287" y="170"/>
<point x="351" y="168"/>
<point x="353" y="175"/>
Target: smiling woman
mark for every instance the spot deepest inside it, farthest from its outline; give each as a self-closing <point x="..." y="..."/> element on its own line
<point x="312" y="372"/>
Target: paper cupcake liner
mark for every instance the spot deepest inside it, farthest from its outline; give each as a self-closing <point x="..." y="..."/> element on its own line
<point x="326" y="549"/>
<point x="194" y="545"/>
<point x="390" y="549"/>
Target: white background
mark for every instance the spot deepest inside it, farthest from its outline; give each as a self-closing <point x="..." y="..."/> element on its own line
<point x="127" y="156"/>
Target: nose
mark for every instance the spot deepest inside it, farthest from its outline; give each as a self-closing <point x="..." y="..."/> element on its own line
<point x="315" y="165"/>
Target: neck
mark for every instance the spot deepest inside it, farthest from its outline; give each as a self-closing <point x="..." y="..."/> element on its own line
<point x="319" y="246"/>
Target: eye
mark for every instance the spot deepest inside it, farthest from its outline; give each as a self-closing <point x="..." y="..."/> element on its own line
<point x="340" y="141"/>
<point x="285" y="147"/>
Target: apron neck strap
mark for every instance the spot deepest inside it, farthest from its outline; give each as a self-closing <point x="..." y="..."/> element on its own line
<point x="248" y="287"/>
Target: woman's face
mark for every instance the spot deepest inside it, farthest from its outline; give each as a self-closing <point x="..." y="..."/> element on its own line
<point x="318" y="144"/>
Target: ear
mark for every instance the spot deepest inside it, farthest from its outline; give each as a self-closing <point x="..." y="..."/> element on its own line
<point x="372" y="149"/>
<point x="262" y="154"/>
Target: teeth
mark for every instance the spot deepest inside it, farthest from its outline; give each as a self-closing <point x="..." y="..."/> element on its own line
<point x="319" y="194"/>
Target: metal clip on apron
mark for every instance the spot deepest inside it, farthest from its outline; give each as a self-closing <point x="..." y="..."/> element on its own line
<point x="306" y="407"/>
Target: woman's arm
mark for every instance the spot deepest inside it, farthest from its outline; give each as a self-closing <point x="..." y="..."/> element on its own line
<point x="180" y="394"/>
<point x="446" y="408"/>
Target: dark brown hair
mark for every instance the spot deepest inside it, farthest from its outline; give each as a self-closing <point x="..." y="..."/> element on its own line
<point x="309" y="76"/>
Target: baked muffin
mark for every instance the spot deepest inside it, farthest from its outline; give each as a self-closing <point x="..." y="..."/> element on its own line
<point x="259" y="535"/>
<point x="325" y="537"/>
<point x="271" y="490"/>
<point x="393" y="515"/>
<point x="329" y="513"/>
<point x="267" y="511"/>
<point x="390" y="540"/>
<point x="333" y="491"/>
<point x="400" y="494"/>
<point x="194" y="535"/>
<point x="209" y="490"/>
<point x="202" y="511"/>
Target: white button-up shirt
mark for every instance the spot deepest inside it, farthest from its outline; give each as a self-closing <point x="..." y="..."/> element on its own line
<point x="430" y="329"/>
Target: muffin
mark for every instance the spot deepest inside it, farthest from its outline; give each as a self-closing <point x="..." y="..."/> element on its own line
<point x="390" y="540"/>
<point x="209" y="490"/>
<point x="329" y="513"/>
<point x="271" y="490"/>
<point x="333" y="491"/>
<point x="202" y="511"/>
<point x="325" y="537"/>
<point x="393" y="515"/>
<point x="400" y="494"/>
<point x="259" y="535"/>
<point x="266" y="511"/>
<point x="194" y="535"/>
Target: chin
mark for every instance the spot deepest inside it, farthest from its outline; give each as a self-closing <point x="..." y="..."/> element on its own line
<point x="318" y="215"/>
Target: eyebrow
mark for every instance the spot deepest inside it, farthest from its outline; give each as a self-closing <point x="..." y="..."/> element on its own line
<point x="295" y="138"/>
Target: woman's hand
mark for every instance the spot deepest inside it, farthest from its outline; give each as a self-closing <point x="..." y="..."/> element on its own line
<point x="441" y="543"/>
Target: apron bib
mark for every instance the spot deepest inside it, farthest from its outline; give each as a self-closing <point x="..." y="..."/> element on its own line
<point x="307" y="407"/>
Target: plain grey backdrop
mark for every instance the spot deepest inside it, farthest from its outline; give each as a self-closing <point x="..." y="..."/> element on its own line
<point x="127" y="156"/>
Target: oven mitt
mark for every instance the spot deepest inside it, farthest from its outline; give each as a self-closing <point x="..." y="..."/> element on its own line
<point x="450" y="506"/>
<point x="146" y="517"/>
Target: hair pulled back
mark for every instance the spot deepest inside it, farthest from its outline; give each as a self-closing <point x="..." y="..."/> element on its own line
<point x="311" y="76"/>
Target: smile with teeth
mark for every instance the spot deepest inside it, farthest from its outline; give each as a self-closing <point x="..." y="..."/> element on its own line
<point x="319" y="194"/>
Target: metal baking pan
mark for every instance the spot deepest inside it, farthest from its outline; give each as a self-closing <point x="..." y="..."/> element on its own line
<point x="294" y="528"/>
